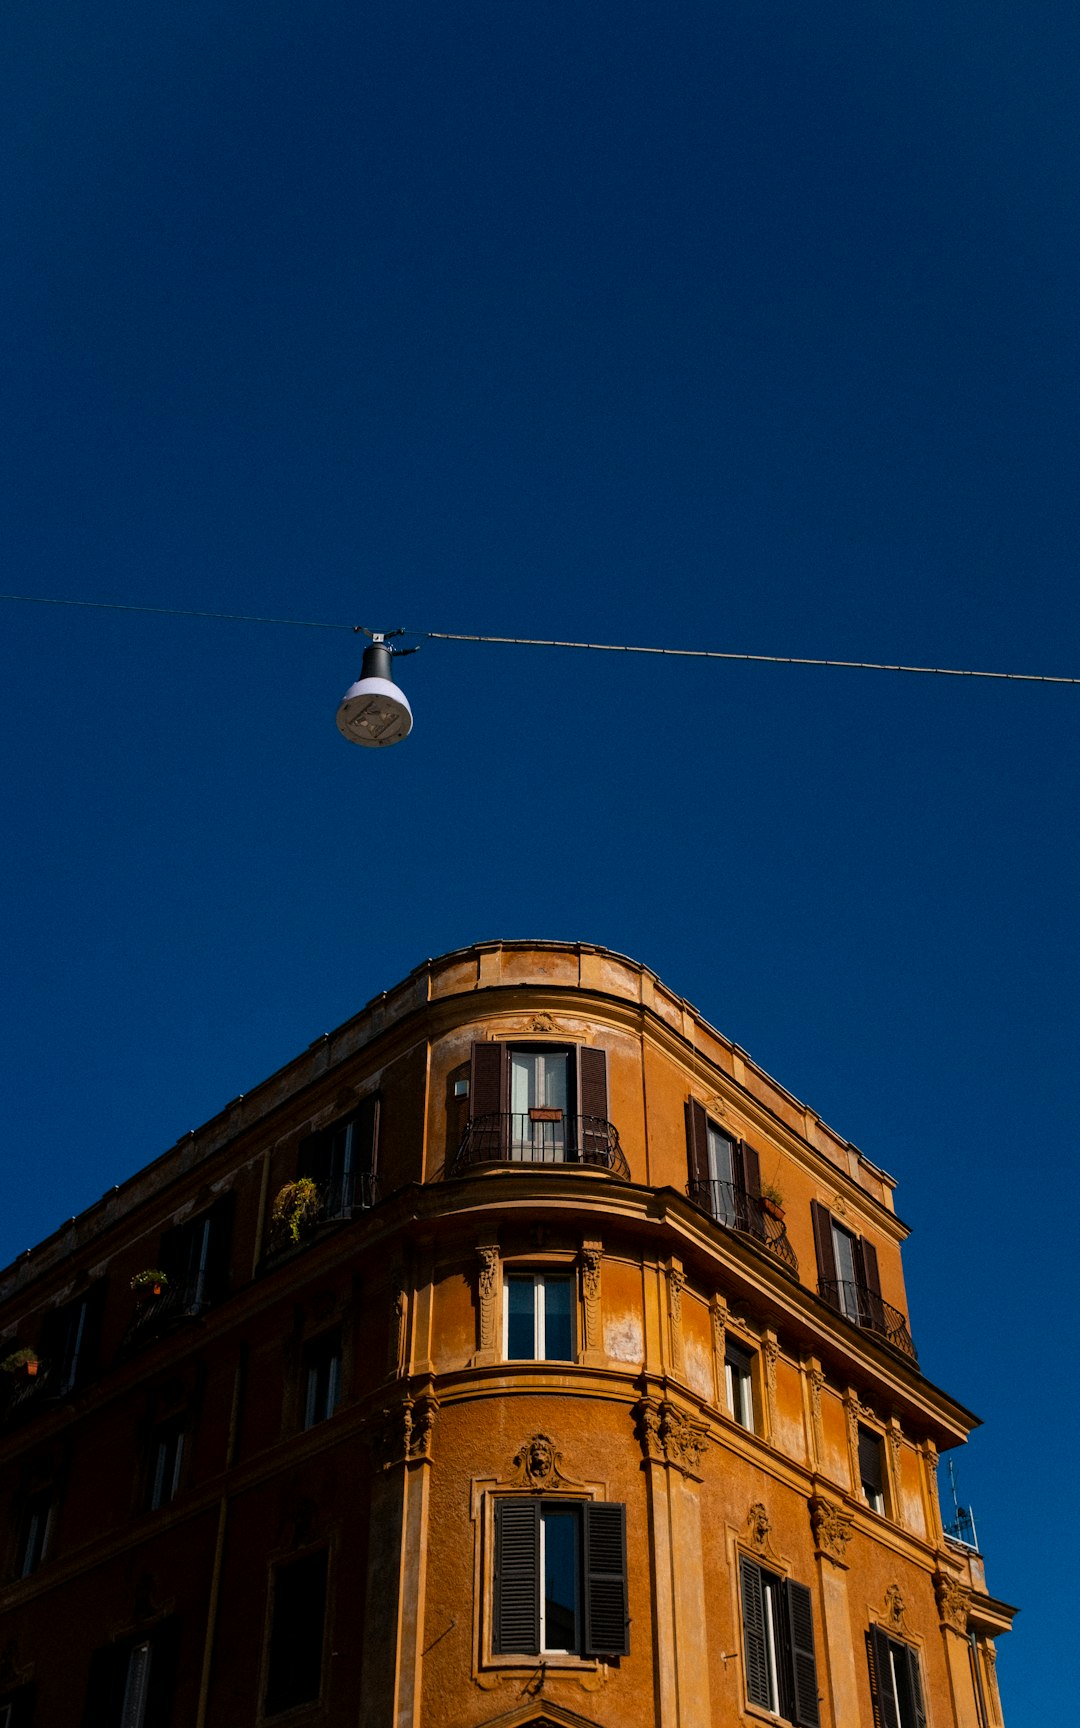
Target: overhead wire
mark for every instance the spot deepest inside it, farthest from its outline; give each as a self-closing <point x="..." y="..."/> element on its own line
<point x="556" y="642"/>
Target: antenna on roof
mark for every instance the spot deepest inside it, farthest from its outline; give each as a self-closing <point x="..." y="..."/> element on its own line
<point x="962" y="1526"/>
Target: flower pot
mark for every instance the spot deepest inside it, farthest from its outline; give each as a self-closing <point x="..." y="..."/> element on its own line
<point x="773" y="1208"/>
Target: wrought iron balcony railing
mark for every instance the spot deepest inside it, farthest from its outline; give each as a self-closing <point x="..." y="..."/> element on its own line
<point x="746" y="1213"/>
<point x="865" y="1308"/>
<point x="540" y="1137"/>
<point x="337" y="1200"/>
<point x="181" y="1299"/>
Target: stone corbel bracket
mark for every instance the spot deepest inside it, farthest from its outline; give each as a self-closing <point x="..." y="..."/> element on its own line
<point x="669" y="1436"/>
<point x="403" y="1433"/>
<point x="832" y="1528"/>
<point x="953" y="1602"/>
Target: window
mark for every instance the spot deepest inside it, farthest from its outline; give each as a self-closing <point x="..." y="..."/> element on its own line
<point x="69" y="1341"/>
<point x="739" y="1383"/>
<point x="895" y="1685"/>
<point x="195" y="1256"/>
<point x="133" y="1682"/>
<point x="778" y="1645"/>
<point x="538" y="1321"/>
<point x="560" y="1578"/>
<point x="872" y="1469"/>
<point x="36" y="1530"/>
<point x="166" y="1459"/>
<point x="322" y="1378"/>
<point x="17" y="1709"/>
<point x="340" y="1160"/>
<point x="297" y="1618"/>
<point x="847" y="1270"/>
<point x="539" y="1104"/>
<point x="725" y="1174"/>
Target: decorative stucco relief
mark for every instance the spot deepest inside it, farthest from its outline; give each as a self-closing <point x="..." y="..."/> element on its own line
<point x="591" y="1256"/>
<point x="759" y="1531"/>
<point x="538" y="1464"/>
<point x="676" y="1281"/>
<point x="953" y="1602"/>
<point x="895" y="1608"/>
<point x="402" y="1433"/>
<point x="669" y="1436"/>
<point x="832" y="1528"/>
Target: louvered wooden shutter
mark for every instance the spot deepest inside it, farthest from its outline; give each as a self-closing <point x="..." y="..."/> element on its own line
<point x="881" y="1692"/>
<point x="697" y="1143"/>
<point x="219" y="1258"/>
<point x="164" y="1666"/>
<point x="592" y="1083"/>
<point x="915" y="1682"/>
<point x="870" y="1462"/>
<point x="753" y="1615"/>
<point x="607" y="1625"/>
<point x="366" y="1137"/>
<point x="488" y="1087"/>
<point x="803" y="1662"/>
<point x="823" y="1243"/>
<point x="870" y="1275"/>
<point x="105" y="1686"/>
<point x="516" y="1629"/>
<point x="313" y="1158"/>
<point x="749" y="1168"/>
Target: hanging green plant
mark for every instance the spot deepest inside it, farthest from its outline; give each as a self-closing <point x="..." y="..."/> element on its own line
<point x="296" y="1205"/>
<point x="150" y="1282"/>
<point x="20" y="1362"/>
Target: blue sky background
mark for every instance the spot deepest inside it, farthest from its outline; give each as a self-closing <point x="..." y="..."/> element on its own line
<point x="744" y="326"/>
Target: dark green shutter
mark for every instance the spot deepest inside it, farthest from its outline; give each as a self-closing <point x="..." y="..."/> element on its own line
<point x="219" y="1257"/>
<point x="803" y="1662"/>
<point x="607" y="1623"/>
<point x="516" y="1630"/>
<point x="753" y="1614"/>
<point x="881" y="1689"/>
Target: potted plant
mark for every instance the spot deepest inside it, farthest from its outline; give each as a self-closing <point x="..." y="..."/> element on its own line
<point x="23" y="1364"/>
<point x="150" y="1282"/>
<point x="296" y="1206"/>
<point x="772" y="1202"/>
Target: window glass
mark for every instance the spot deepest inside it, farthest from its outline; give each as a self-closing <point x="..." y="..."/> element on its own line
<point x="136" y="1687"/>
<point x="539" y="1317"/>
<point x="294" y="1671"/>
<point x="872" y="1469"/>
<point x="844" y="1250"/>
<point x="322" y="1378"/>
<point x="722" y="1175"/>
<point x="738" y="1372"/>
<point x="168" y="1456"/>
<point x="560" y="1567"/>
<point x="36" y="1533"/>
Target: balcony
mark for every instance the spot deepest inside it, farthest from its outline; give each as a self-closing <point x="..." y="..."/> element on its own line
<point x="540" y="1136"/>
<point x="181" y="1300"/>
<point x="747" y="1215"/>
<point x="865" y="1308"/>
<point x="335" y="1201"/>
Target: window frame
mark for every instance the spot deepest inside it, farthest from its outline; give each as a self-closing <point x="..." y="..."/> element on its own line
<point x="779" y="1648"/>
<point x="35" y="1533"/>
<point x="744" y="1369"/>
<point x="874" y="1483"/>
<point x="325" y="1350"/>
<point x="283" y="1563"/>
<point x="889" y="1709"/>
<point x="168" y="1436"/>
<point x="601" y="1588"/>
<point x="540" y="1277"/>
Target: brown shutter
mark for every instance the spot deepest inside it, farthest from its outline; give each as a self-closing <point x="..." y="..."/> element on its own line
<point x="868" y="1256"/>
<point x="488" y="1087"/>
<point x="750" y="1168"/>
<point x="826" y="1259"/>
<point x="592" y="1083"/>
<point x="803" y="1663"/>
<point x="607" y="1623"/>
<point x="365" y="1140"/>
<point x="697" y="1147"/>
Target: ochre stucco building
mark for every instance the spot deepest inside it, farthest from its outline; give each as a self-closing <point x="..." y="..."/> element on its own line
<point x="519" y="1354"/>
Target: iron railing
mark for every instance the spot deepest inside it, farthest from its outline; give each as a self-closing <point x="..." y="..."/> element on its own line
<point x="27" y="1390"/>
<point x="535" y="1137"/>
<point x="746" y="1213"/>
<point x="336" y="1201"/>
<point x="865" y="1308"/>
<point x="181" y="1299"/>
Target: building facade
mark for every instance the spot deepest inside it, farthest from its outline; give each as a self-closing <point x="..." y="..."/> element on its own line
<point x="519" y="1354"/>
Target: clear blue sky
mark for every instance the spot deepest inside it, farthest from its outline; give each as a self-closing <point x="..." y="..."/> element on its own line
<point x="750" y="326"/>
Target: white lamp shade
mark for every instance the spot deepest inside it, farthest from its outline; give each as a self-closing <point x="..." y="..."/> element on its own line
<point x="374" y="712"/>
